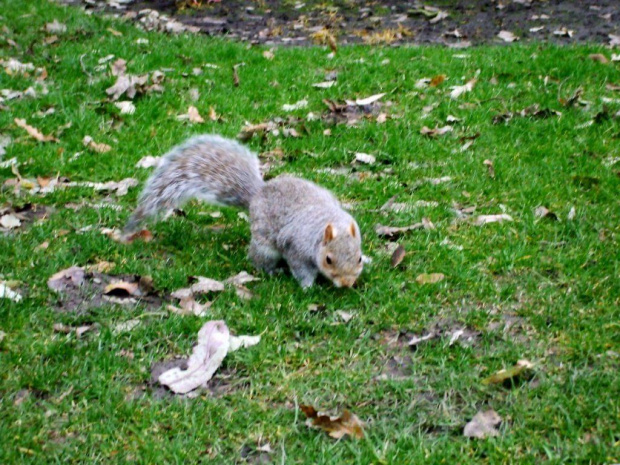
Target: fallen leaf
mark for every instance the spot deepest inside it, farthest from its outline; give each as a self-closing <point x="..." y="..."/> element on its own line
<point x="240" y="279"/>
<point x="344" y="316"/>
<point x="537" y="28"/>
<point x="324" y="85"/>
<point x="432" y="278"/>
<point x="214" y="343"/>
<point x="126" y="107"/>
<point x="125" y="326"/>
<point x="598" y="57"/>
<point x="149" y="162"/>
<point x="94" y="146"/>
<point x="392" y="232"/>
<point x="269" y="55"/>
<point x="10" y="221"/>
<point x="55" y="27"/>
<point x="457" y="91"/>
<point x="120" y="188"/>
<point x="119" y="67"/>
<point x="127" y="84"/>
<point x="60" y="281"/>
<point x="365" y="158"/>
<point x="523" y="368"/>
<point x="563" y="32"/>
<point x="347" y="424"/>
<point x="34" y="132"/>
<point x="490" y="167"/>
<point x="398" y="256"/>
<point x="213" y="116"/>
<point x="78" y="330"/>
<point x="544" y="212"/>
<point x="192" y="115"/>
<point x="5" y="141"/>
<point x="425" y="131"/>
<point x="483" y="425"/>
<point x="417" y="340"/>
<point x="485" y="219"/>
<point x="507" y="36"/>
<point x="369" y="100"/>
<point x="295" y="106"/>
<point x="7" y="293"/>
<point x="437" y="80"/>
<point x="189" y="306"/>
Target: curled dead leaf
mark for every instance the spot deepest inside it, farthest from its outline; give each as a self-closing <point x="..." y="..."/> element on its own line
<point x="398" y="256"/>
<point x="34" y="132"/>
<point x="521" y="370"/>
<point x="347" y="424"/>
<point x="430" y="278"/>
<point x="95" y="146"/>
<point x="483" y="425"/>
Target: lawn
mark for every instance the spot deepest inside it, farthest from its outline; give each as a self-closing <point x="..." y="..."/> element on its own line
<point x="542" y="287"/>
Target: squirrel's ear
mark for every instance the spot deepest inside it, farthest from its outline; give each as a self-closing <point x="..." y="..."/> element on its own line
<point x="352" y="230"/>
<point x="330" y="233"/>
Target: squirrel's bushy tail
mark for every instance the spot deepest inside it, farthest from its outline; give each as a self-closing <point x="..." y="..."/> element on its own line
<point x="209" y="168"/>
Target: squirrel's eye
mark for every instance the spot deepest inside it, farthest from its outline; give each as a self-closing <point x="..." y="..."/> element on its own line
<point x="328" y="259"/>
<point x="360" y="260"/>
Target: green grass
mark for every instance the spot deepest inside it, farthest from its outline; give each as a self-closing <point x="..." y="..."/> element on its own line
<point x="560" y="278"/>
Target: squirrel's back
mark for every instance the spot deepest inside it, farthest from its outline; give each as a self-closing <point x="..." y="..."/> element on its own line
<point x="209" y="168"/>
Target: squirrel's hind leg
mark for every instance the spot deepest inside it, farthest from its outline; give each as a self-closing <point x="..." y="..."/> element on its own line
<point x="264" y="255"/>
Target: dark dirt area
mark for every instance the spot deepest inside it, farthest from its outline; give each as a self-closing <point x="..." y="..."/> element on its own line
<point x="456" y="23"/>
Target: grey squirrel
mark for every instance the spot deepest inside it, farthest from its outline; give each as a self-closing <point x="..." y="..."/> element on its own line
<point x="290" y="218"/>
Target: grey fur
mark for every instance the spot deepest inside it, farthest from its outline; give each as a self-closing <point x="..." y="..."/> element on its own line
<point x="290" y="218"/>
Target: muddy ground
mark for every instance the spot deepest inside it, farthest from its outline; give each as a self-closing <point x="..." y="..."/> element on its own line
<point x="468" y="22"/>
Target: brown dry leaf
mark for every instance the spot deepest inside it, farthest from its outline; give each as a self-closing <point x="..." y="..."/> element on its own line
<point x="347" y="424"/>
<point x="78" y="330"/>
<point x="100" y="267"/>
<point x="598" y="57"/>
<point x="430" y="278"/>
<point x="236" y="80"/>
<point x="544" y="212"/>
<point x="457" y="91"/>
<point x="507" y="36"/>
<point x="213" y="116"/>
<point x="437" y="80"/>
<point x="490" y="167"/>
<point x="95" y="146"/>
<point x="114" y="32"/>
<point x="10" y="221"/>
<point x="393" y="232"/>
<point x="573" y="99"/>
<point x="123" y="289"/>
<point x="149" y="162"/>
<point x="398" y="256"/>
<point x="522" y="369"/>
<point x="119" y="67"/>
<point x="485" y="219"/>
<point x="55" y="27"/>
<point x="483" y="425"/>
<point x="192" y="115"/>
<point x="130" y="85"/>
<point x="325" y="37"/>
<point x="34" y="132"/>
<point x="126" y="107"/>
<point x="425" y="131"/>
<point x="73" y="276"/>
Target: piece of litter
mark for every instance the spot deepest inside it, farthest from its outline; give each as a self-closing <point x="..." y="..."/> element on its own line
<point x="214" y="343"/>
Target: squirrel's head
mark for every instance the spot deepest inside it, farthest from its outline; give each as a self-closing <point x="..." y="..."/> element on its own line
<point x="340" y="254"/>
